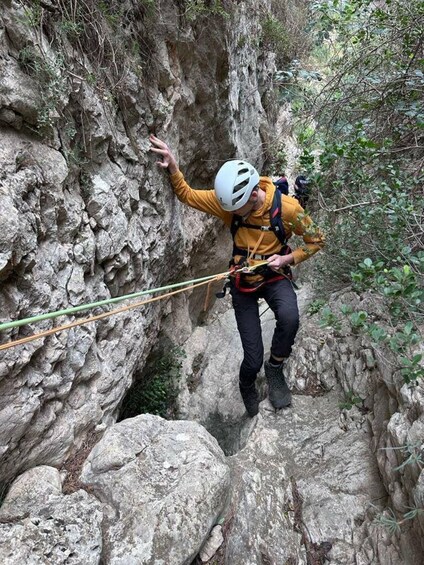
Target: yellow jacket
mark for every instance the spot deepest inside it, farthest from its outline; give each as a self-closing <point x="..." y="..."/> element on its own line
<point x="294" y="218"/>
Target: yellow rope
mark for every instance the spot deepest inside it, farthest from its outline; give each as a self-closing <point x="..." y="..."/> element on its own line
<point x="100" y="316"/>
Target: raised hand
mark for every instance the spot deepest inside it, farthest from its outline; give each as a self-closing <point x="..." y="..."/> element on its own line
<point x="168" y="159"/>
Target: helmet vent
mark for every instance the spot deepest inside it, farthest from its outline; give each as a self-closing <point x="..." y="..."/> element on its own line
<point x="240" y="185"/>
<point x="234" y="183"/>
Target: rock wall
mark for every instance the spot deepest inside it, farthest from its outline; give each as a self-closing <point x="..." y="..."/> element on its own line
<point x="85" y="213"/>
<point x="346" y="459"/>
<point x="307" y="484"/>
<point x="376" y="399"/>
<point x="394" y="411"/>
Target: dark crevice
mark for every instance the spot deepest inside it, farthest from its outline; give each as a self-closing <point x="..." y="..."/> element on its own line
<point x="316" y="553"/>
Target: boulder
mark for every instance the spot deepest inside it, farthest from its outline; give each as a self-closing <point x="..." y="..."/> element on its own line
<point x="39" y="525"/>
<point x="165" y="484"/>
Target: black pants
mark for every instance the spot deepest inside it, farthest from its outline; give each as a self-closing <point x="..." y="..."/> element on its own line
<point x="282" y="300"/>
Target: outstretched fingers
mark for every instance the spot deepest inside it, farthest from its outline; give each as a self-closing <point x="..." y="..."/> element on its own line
<point x="161" y="148"/>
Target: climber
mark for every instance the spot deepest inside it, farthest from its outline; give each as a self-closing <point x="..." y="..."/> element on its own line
<point x="301" y="190"/>
<point x="243" y="200"/>
<point x="282" y="184"/>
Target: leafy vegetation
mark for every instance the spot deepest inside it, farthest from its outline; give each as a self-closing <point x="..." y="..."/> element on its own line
<point x="110" y="39"/>
<point x="351" y="400"/>
<point x="315" y="306"/>
<point x="194" y="9"/>
<point x="50" y="75"/>
<point x="402" y="339"/>
<point x="156" y="390"/>
<point x="284" y="30"/>
<point x="394" y="524"/>
<point x="363" y="146"/>
<point x="388" y="518"/>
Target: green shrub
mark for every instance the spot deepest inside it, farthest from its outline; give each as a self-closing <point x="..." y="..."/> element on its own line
<point x="156" y="390"/>
<point x="365" y="160"/>
<point x="315" y="306"/>
<point x="351" y="400"/>
<point x="194" y="9"/>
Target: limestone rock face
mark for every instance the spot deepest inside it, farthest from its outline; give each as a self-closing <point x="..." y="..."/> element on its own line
<point x="312" y="471"/>
<point x="165" y="484"/>
<point x="40" y="525"/>
<point x="209" y="393"/>
<point x="87" y="215"/>
<point x="392" y="409"/>
<point x="155" y="490"/>
<point x="300" y="474"/>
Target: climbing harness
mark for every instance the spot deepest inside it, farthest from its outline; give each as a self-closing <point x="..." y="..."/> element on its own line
<point x="276" y="223"/>
<point x="242" y="258"/>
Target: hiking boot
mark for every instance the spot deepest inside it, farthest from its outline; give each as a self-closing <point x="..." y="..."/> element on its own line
<point x="250" y="398"/>
<point x="278" y="391"/>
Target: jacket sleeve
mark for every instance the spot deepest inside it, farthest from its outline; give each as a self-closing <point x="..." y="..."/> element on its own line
<point x="301" y="224"/>
<point x="203" y="200"/>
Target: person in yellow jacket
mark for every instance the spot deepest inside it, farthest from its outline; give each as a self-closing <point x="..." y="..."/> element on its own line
<point x="241" y="194"/>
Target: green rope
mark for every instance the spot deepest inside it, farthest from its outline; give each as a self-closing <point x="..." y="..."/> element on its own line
<point x="67" y="311"/>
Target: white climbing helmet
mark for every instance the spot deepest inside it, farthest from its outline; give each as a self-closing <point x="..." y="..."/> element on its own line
<point x="234" y="184"/>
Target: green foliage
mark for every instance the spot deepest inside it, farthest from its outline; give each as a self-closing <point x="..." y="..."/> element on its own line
<point x="71" y="28"/>
<point x="351" y="400"/>
<point x="280" y="160"/>
<point x="27" y="59"/>
<point x="358" y="319"/>
<point x="394" y="524"/>
<point x="157" y="390"/>
<point x="369" y="126"/>
<point x="276" y="158"/>
<point x="273" y="34"/>
<point x="365" y="159"/>
<point x="401" y="340"/>
<point x="329" y="319"/>
<point x="413" y="453"/>
<point x="307" y="162"/>
<point x="50" y="76"/>
<point x="32" y="14"/>
<point x="315" y="306"/>
<point x="401" y="285"/>
<point x="112" y="12"/>
<point x="195" y="9"/>
<point x="284" y="30"/>
<point x="412" y="368"/>
<point x="297" y="85"/>
<point x="413" y="457"/>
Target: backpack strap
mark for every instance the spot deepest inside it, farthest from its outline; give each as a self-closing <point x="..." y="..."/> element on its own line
<point x="276" y="223"/>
